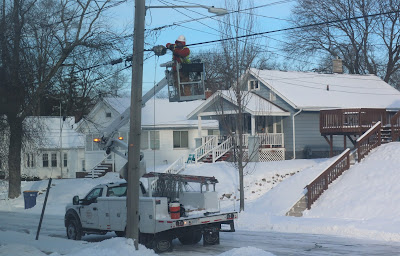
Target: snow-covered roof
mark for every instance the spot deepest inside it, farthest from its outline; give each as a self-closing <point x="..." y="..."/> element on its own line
<point x="162" y="113"/>
<point x="307" y="90"/>
<point x="47" y="130"/>
<point x="253" y="104"/>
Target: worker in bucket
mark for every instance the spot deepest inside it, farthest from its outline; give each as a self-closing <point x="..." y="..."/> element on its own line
<point x="180" y="56"/>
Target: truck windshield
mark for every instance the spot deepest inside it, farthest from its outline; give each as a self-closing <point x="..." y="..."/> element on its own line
<point x="95" y="193"/>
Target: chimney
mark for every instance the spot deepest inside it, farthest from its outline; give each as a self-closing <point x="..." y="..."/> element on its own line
<point x="337" y="66"/>
<point x="208" y="93"/>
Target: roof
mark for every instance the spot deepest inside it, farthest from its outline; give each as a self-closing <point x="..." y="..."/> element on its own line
<point x="309" y="91"/>
<point x="162" y="113"/>
<point x="47" y="130"/>
<point x="253" y="104"/>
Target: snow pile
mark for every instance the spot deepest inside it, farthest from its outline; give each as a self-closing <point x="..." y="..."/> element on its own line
<point x="246" y="251"/>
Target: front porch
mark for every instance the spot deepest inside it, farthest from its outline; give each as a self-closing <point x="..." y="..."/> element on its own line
<point x="260" y="147"/>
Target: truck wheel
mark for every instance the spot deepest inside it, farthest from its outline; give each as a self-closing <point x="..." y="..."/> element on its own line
<point x="74" y="229"/>
<point x="162" y="244"/>
<point x="120" y="233"/>
<point x="211" y="237"/>
<point x="190" y="238"/>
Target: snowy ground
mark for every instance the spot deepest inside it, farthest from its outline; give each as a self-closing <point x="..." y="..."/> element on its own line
<point x="362" y="204"/>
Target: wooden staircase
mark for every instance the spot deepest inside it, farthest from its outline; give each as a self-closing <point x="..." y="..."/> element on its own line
<point x="209" y="158"/>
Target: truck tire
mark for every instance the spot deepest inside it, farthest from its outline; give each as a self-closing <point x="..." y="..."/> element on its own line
<point x="120" y="233"/>
<point x="190" y="237"/>
<point x="211" y="237"/>
<point x="162" y="243"/>
<point x="74" y="228"/>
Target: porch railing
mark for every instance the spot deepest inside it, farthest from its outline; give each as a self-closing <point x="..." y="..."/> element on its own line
<point x="177" y="166"/>
<point x="359" y="120"/>
<point x="395" y="123"/>
<point x="205" y="149"/>
<point x="222" y="149"/>
<point x="368" y="141"/>
<point x="320" y="184"/>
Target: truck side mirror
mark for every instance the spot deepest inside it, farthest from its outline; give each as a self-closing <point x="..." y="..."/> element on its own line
<point x="75" y="200"/>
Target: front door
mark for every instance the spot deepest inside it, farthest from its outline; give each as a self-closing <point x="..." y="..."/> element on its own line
<point x="89" y="209"/>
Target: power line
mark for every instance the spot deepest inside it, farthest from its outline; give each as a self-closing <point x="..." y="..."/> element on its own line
<point x="298" y="27"/>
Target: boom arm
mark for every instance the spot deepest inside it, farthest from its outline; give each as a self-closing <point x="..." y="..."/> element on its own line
<point x="107" y="141"/>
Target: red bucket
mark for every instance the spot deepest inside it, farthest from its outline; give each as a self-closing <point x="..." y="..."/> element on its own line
<point x="175" y="209"/>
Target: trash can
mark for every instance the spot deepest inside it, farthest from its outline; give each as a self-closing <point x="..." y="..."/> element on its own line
<point x="30" y="198"/>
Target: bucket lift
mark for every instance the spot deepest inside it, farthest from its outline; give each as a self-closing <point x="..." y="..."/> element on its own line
<point x="186" y="83"/>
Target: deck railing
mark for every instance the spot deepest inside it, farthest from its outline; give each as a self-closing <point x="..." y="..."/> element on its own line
<point x="320" y="184"/>
<point x="395" y="123"/>
<point x="341" y="121"/>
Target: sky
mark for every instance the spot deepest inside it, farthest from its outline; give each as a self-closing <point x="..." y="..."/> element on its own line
<point x="271" y="17"/>
<point x="363" y="203"/>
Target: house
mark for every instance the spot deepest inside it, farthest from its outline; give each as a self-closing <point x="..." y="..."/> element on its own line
<point x="166" y="132"/>
<point x="287" y="105"/>
<point x="53" y="148"/>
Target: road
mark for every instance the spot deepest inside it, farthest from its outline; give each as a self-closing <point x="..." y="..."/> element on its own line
<point x="277" y="243"/>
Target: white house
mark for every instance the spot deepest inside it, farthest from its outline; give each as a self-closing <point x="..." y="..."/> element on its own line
<point x="167" y="134"/>
<point x="54" y="149"/>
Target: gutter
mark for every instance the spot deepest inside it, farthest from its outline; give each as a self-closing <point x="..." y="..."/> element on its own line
<point x="294" y="133"/>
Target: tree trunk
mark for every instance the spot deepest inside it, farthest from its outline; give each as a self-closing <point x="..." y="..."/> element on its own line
<point x="14" y="158"/>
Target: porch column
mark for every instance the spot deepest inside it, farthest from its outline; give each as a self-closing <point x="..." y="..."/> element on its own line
<point x="254" y="146"/>
<point x="253" y="125"/>
<point x="199" y="126"/>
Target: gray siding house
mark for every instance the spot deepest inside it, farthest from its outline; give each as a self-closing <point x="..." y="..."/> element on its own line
<point x="290" y="102"/>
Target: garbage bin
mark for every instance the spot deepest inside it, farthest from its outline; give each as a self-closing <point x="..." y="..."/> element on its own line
<point x="30" y="198"/>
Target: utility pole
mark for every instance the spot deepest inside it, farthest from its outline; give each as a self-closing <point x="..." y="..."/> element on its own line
<point x="132" y="204"/>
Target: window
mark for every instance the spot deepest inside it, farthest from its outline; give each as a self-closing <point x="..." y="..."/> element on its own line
<point x="65" y="160"/>
<point x="253" y="85"/>
<point x="95" y="193"/>
<point x="45" y="160"/>
<point x="30" y="161"/>
<point x="83" y="166"/>
<point x="154" y="140"/>
<point x="108" y="114"/>
<point x="213" y="132"/>
<point x="90" y="144"/>
<point x="181" y="139"/>
<point x="144" y="140"/>
<point x="150" y="139"/>
<point x="53" y="160"/>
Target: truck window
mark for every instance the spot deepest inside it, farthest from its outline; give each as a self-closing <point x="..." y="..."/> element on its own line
<point x="117" y="191"/>
<point x="95" y="193"/>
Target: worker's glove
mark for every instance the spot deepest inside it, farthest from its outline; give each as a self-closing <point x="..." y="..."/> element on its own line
<point x="171" y="47"/>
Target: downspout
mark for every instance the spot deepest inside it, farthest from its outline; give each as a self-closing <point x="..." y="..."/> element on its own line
<point x="294" y="133"/>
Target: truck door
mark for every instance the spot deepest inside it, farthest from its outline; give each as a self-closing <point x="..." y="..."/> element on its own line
<point x="89" y="209"/>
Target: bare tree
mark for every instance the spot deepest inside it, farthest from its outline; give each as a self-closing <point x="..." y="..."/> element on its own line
<point x="237" y="57"/>
<point x="38" y="36"/>
<point x="367" y="45"/>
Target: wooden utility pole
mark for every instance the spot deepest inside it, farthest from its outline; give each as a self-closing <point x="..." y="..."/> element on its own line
<point x="132" y="204"/>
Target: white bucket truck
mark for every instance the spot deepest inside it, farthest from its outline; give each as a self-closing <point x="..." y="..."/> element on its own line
<point x="170" y="207"/>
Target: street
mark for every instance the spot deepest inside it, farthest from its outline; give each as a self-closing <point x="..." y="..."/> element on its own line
<point x="277" y="243"/>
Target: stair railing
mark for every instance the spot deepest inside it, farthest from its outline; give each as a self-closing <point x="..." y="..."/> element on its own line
<point x="204" y="149"/>
<point x="395" y="123"/>
<point x="177" y="166"/>
<point x="364" y="144"/>
<point x="221" y="149"/>
<point x="368" y="141"/>
<point x="320" y="184"/>
<point x="92" y="171"/>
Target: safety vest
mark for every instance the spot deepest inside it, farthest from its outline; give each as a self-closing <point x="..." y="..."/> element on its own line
<point x="185" y="60"/>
